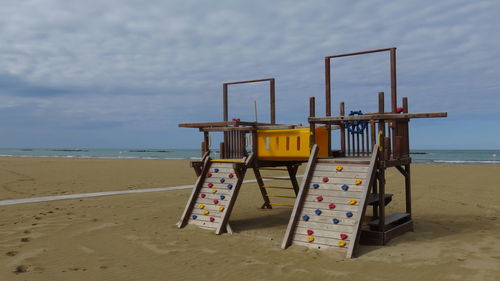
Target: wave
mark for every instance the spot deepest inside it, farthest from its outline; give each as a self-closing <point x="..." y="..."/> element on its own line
<point x="467" y="161"/>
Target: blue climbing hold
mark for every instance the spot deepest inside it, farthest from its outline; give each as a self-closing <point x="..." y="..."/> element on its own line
<point x="318" y="212"/>
<point x="315" y="185"/>
<point x="305" y="217"/>
<point x="335" y="221"/>
<point x="194" y="217"/>
<point x="229" y="186"/>
<point x="348" y="214"/>
<point x="222" y="197"/>
<point x="222" y="180"/>
<point x="216" y="170"/>
<point x="345" y="187"/>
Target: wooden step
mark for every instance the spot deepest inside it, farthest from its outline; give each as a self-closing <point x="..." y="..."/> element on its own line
<point x="346" y="160"/>
<point x="373" y="199"/>
<point x="397" y="217"/>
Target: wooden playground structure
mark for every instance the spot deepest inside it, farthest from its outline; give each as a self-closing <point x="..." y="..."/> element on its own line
<point x="331" y="201"/>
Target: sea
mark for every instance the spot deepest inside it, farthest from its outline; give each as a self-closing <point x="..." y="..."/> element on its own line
<point x="418" y="156"/>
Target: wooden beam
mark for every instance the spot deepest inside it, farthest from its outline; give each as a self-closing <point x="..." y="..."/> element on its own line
<point x="385" y="116"/>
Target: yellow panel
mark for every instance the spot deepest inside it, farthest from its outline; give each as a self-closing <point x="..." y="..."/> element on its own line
<point x="289" y="144"/>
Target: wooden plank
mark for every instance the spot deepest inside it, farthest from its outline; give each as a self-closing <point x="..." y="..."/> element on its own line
<point x="300" y="197"/>
<point x="347" y="168"/>
<point x="328" y="214"/>
<point x="342" y="174"/>
<point x="337" y="180"/>
<point x="318" y="246"/>
<point x="334" y="189"/>
<point x="324" y="233"/>
<point x="325" y="225"/>
<point x="324" y="206"/>
<point x="322" y="240"/>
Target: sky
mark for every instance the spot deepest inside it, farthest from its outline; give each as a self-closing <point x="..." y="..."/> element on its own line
<point x="123" y="74"/>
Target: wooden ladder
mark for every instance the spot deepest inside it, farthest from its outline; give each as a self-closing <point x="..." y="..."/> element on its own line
<point x="279" y="189"/>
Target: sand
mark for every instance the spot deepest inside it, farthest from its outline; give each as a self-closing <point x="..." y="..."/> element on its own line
<point x="134" y="237"/>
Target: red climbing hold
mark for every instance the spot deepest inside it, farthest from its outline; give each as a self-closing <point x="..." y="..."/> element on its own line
<point x="399" y="109"/>
<point x="310" y="232"/>
<point x="343" y="236"/>
<point x="230" y="176"/>
<point x="209" y="175"/>
<point x="216" y="201"/>
<point x="331" y="206"/>
<point x="203" y="195"/>
<point x="212" y="219"/>
<point x="319" y="198"/>
<point x="210" y="184"/>
<point x="325" y="179"/>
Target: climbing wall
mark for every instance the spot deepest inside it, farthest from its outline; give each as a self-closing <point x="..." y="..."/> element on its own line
<point x="332" y="206"/>
<point x="212" y="201"/>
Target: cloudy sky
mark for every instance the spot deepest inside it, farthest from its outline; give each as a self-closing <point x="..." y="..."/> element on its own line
<point x="122" y="74"/>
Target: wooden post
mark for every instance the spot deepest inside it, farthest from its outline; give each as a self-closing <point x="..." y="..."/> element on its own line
<point x="312" y="126"/>
<point x="394" y="94"/>
<point x="408" y="189"/>
<point x="224" y="102"/>
<point x="272" y="98"/>
<point x="342" y="129"/>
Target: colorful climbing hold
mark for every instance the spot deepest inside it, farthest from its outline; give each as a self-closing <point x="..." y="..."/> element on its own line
<point x="336" y="221"/>
<point x="325" y="179"/>
<point x="203" y="195"/>
<point x="222" y="180"/>
<point x="229" y="186"/>
<point x="194" y="217"/>
<point x="342" y="243"/>
<point x="210" y="185"/>
<point x="209" y="175"/>
<point x="348" y="214"/>
<point x="399" y="109"/>
<point x="317" y="212"/>
<point x="315" y="186"/>
<point x="343" y="236"/>
<point x="216" y="201"/>
<point x="331" y="206"/>
<point x="352" y="202"/>
<point x="339" y="168"/>
<point x="214" y="190"/>
<point x="221" y="208"/>
<point x="305" y="217"/>
<point x="201" y="206"/>
<point x="216" y="170"/>
<point x="230" y="176"/>
<point x="319" y="198"/>
<point x="344" y="187"/>
<point x="358" y="182"/>
<point x="206" y="212"/>
<point x="310" y="239"/>
<point x="212" y="219"/>
<point x="222" y="197"/>
<point x="310" y="232"/>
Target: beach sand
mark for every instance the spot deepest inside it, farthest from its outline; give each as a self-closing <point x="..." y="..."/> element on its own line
<point x="134" y="237"/>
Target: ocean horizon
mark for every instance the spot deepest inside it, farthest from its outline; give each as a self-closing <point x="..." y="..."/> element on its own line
<point x="438" y="156"/>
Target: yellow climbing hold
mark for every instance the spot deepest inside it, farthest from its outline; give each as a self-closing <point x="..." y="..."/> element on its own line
<point x="310" y="239"/>
<point x="206" y="212"/>
<point x="214" y="190"/>
<point x="353" y="202"/>
<point x="201" y="206"/>
<point x="339" y="168"/>
<point x="221" y="208"/>
<point x="342" y="243"/>
<point x="358" y="182"/>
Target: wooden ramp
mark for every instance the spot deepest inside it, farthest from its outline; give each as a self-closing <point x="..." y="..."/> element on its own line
<point x="214" y="194"/>
<point x="331" y="203"/>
